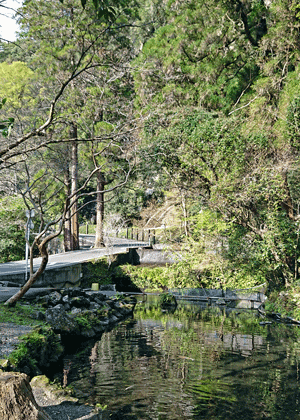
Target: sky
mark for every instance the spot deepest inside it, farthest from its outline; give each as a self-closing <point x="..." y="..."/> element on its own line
<point x="8" y="26"/>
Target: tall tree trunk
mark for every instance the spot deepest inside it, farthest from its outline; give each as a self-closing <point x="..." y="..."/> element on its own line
<point x="74" y="204"/>
<point x="67" y="227"/>
<point x="99" y="239"/>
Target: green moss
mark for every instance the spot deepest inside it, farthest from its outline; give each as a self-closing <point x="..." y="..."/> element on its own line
<point x="87" y="320"/>
<point x="36" y="350"/>
<point x="98" y="271"/>
<point x="83" y="321"/>
<point x="20" y="314"/>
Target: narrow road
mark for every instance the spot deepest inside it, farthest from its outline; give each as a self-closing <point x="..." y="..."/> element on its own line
<point x="64" y="259"/>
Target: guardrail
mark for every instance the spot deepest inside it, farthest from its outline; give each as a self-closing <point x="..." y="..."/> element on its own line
<point x="138" y="234"/>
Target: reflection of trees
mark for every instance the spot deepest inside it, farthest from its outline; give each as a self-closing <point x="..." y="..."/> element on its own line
<point x="231" y="386"/>
<point x="194" y="365"/>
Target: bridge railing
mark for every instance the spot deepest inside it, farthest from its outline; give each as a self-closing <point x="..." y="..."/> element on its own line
<point x="149" y="235"/>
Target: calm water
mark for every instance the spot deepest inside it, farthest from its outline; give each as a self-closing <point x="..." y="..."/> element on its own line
<point x="195" y="363"/>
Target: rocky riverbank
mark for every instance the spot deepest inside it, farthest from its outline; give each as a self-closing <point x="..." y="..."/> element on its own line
<point x="71" y="316"/>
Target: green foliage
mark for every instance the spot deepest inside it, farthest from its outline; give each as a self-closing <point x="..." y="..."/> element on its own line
<point x="12" y="229"/>
<point x="293" y="123"/>
<point x="166" y="299"/>
<point x="100" y="271"/>
<point x="158" y="278"/>
<point x="282" y="303"/>
<point x="37" y="349"/>
<point x="7" y="124"/>
<point x="107" y="10"/>
<point x="194" y="48"/>
<point x="16" y="79"/>
<point x="20" y="314"/>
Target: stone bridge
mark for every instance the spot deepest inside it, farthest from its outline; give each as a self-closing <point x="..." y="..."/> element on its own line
<point x="66" y="269"/>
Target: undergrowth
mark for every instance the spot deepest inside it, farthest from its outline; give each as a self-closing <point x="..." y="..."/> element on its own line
<point x="20" y="314"/>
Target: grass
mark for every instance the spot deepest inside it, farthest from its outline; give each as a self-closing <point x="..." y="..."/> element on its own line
<point x="92" y="229"/>
<point x="21" y="314"/>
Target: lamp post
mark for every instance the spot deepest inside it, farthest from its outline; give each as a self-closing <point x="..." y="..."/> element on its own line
<point x="29" y="225"/>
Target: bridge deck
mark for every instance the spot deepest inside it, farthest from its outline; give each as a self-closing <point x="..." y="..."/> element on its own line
<point x="65" y="259"/>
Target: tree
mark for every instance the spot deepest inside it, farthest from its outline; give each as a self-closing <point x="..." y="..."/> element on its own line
<point x="66" y="66"/>
<point x="80" y="44"/>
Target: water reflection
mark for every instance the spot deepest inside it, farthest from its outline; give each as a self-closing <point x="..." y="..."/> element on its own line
<point x="195" y="363"/>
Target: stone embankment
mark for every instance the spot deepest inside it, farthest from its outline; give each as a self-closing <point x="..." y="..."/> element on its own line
<point x="71" y="316"/>
<point x="86" y="314"/>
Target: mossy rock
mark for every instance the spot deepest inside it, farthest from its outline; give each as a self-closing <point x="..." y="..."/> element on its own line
<point x="36" y="351"/>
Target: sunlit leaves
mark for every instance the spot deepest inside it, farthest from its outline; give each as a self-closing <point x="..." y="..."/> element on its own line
<point x="102" y="7"/>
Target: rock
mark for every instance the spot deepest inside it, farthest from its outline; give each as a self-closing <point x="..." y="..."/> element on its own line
<point x="42" y="385"/>
<point x="99" y="301"/>
<point x="40" y="316"/>
<point x="112" y="319"/>
<point x="54" y="299"/>
<point x="75" y="292"/>
<point x="98" y="328"/>
<point x="76" y="311"/>
<point x="67" y="307"/>
<point x="16" y="399"/>
<point x="66" y="299"/>
<point x="98" y="297"/>
<point x="59" y="307"/>
<point x="122" y="308"/>
<point x="80" y="302"/>
<point x="94" y="306"/>
<point x="88" y="333"/>
<point x="103" y="323"/>
<point x="107" y="287"/>
<point x="60" y="321"/>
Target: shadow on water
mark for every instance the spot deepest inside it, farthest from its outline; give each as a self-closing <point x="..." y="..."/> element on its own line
<point x="194" y="363"/>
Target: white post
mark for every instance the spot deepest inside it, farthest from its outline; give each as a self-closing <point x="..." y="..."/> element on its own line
<point x="29" y="225"/>
<point x="26" y="250"/>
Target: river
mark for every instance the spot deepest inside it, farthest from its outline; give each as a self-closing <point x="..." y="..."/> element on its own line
<point x="194" y="363"/>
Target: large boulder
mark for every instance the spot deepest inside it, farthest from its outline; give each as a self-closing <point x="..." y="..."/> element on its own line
<point x="60" y="321"/>
<point x="16" y="399"/>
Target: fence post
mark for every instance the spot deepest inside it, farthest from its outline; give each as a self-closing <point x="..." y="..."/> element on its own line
<point x="127" y="233"/>
<point x="87" y="228"/>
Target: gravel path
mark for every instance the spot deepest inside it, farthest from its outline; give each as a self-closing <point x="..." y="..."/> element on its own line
<point x="9" y="337"/>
